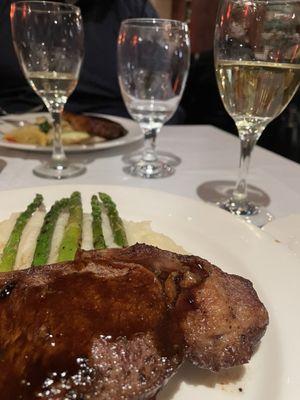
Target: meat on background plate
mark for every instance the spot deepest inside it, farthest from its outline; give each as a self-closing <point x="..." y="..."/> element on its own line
<point x="95" y="126"/>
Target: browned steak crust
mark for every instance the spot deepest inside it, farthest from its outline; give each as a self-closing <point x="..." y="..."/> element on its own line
<point x="84" y="331"/>
<point x="221" y="316"/>
<point x="95" y="126"/>
<point x="225" y="322"/>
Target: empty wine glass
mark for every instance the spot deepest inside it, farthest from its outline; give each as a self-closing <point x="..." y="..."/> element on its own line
<point x="48" y="40"/>
<point x="257" y="55"/>
<point x="153" y="63"/>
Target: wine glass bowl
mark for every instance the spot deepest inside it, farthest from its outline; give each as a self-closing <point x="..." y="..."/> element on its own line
<point x="48" y="40"/>
<point x="257" y="61"/>
<point x="153" y="62"/>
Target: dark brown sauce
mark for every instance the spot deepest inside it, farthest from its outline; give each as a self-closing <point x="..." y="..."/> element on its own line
<point x="6" y="290"/>
<point x="50" y="334"/>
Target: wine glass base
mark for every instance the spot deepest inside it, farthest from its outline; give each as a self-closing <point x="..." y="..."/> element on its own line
<point x="164" y="157"/>
<point x="150" y="170"/>
<point x="62" y="171"/>
<point x="258" y="216"/>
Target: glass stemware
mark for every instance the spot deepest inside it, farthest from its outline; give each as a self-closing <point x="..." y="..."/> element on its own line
<point x="48" y="40"/>
<point x="257" y="55"/>
<point x="153" y="62"/>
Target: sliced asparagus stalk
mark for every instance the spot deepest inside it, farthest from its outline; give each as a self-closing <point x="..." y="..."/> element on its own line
<point x="115" y="221"/>
<point x="44" y="239"/>
<point x="71" y="240"/>
<point x="98" y="238"/>
<point x="11" y="248"/>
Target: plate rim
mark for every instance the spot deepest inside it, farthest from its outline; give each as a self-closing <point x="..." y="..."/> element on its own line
<point x="277" y="229"/>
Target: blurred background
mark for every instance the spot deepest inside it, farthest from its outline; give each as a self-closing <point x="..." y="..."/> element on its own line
<point x="98" y="89"/>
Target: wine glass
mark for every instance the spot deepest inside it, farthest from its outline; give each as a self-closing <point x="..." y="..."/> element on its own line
<point x="257" y="55"/>
<point x="48" y="40"/>
<point x="153" y="63"/>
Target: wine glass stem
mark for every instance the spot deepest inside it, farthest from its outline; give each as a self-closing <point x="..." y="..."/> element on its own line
<point x="58" y="154"/>
<point x="149" y="153"/>
<point x="247" y="144"/>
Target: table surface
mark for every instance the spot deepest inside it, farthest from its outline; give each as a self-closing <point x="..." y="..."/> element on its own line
<point x="208" y="169"/>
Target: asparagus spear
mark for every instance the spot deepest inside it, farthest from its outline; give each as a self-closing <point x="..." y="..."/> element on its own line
<point x="44" y="239"/>
<point x="10" y="250"/>
<point x="98" y="238"/>
<point x="115" y="221"/>
<point x="71" y="240"/>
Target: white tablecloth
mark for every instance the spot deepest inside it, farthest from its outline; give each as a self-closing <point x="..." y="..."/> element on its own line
<point x="207" y="154"/>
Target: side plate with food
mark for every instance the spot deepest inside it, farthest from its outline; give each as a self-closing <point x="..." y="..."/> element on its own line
<point x="79" y="132"/>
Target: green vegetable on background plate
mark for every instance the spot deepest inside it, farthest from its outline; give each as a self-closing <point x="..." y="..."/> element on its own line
<point x="45" y="126"/>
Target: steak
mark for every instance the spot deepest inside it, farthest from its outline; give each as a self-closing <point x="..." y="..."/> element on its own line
<point x="220" y="315"/>
<point x="95" y="126"/>
<point x="85" y="331"/>
<point x="118" y="323"/>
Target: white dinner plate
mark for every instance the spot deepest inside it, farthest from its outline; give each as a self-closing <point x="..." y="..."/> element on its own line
<point x="287" y="231"/>
<point x="235" y="246"/>
<point x="134" y="134"/>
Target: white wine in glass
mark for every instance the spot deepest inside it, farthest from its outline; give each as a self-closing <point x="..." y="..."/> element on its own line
<point x="254" y="91"/>
<point x="53" y="87"/>
<point x="257" y="61"/>
<point x="48" y="39"/>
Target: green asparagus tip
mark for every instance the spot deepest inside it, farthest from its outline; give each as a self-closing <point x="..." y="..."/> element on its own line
<point x="73" y="232"/>
<point x="11" y="248"/>
<point x="116" y="222"/>
<point x="44" y="239"/>
<point x="98" y="237"/>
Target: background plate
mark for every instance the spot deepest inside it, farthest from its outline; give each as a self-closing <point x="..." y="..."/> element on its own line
<point x="235" y="246"/>
<point x="134" y="134"/>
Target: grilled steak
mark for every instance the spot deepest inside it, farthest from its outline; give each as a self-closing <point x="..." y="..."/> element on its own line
<point x="117" y="323"/>
<point x="220" y="315"/>
<point x="95" y="126"/>
<point x="85" y="331"/>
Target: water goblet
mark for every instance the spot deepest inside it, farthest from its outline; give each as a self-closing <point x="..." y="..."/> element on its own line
<point x="153" y="63"/>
